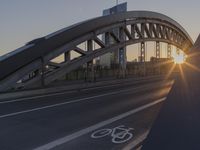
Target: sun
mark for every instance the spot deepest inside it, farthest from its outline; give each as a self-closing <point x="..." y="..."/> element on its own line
<point x="179" y="58"/>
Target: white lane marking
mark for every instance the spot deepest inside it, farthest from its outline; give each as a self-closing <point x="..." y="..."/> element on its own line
<point x="66" y="92"/>
<point x="75" y="135"/>
<point x="59" y="93"/>
<point x="69" y="102"/>
<point x="34" y="97"/>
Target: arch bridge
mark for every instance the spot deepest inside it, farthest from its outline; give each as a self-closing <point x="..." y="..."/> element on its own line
<point x="32" y="64"/>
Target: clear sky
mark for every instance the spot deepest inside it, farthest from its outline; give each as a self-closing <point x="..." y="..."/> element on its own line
<point x="24" y="20"/>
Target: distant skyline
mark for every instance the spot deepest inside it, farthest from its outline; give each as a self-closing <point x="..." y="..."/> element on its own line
<point x="24" y="20"/>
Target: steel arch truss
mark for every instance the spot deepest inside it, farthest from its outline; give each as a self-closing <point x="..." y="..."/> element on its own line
<point x="135" y="30"/>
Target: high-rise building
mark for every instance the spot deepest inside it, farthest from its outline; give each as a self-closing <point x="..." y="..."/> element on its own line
<point x="119" y="55"/>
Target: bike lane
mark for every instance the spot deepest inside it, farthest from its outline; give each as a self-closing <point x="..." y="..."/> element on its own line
<point x="125" y="133"/>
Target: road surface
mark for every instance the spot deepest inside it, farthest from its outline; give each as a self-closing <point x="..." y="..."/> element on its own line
<point x="71" y="120"/>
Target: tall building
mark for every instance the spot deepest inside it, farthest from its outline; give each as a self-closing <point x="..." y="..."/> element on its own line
<point x="119" y="55"/>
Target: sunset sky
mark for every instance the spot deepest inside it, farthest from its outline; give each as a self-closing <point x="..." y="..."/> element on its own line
<point x="24" y="20"/>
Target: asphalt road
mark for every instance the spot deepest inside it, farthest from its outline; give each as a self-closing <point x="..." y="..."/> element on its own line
<point x="68" y="120"/>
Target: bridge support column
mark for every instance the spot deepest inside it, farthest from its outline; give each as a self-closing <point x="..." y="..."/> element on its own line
<point x="169" y="51"/>
<point x="90" y="65"/>
<point x="143" y="57"/>
<point x="67" y="58"/>
<point x="157" y="49"/>
<point x="122" y="62"/>
<point x="122" y="55"/>
<point x="158" y="55"/>
<point x="142" y="52"/>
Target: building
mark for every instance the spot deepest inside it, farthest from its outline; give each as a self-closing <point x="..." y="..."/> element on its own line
<point x="118" y="56"/>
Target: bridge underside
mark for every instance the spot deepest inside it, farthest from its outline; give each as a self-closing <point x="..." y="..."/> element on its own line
<point x="33" y="64"/>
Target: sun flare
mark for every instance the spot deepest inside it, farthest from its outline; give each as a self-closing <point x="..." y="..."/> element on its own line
<point x="179" y="59"/>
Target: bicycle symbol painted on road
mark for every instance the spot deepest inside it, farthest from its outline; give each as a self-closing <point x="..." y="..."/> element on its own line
<point x="119" y="134"/>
